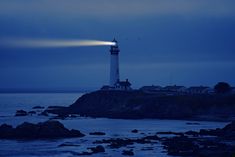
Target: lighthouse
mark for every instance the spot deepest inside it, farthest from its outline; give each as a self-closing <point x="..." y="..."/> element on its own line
<point x="115" y="83"/>
<point x="114" y="64"/>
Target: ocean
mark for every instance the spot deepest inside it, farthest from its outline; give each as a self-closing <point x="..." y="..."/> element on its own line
<point x="114" y="128"/>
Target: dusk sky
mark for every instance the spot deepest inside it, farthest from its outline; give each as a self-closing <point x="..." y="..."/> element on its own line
<point x="162" y="42"/>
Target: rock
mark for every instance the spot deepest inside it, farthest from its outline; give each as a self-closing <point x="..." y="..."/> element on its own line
<point x="44" y="130"/>
<point x="151" y="137"/>
<point x="38" y="107"/>
<point x="94" y="150"/>
<point x="67" y="144"/>
<point x="134" y="131"/>
<point x="73" y="115"/>
<point x="211" y="132"/>
<point x="228" y="132"/>
<point x="31" y="112"/>
<point x="97" y="149"/>
<point x="193" y="133"/>
<point x="21" y="113"/>
<point x="230" y="127"/>
<point x="116" y="142"/>
<point x="221" y="144"/>
<point x="84" y="153"/>
<point x="147" y="148"/>
<point x="180" y="146"/>
<point x="44" y="113"/>
<point x="170" y="133"/>
<point x="61" y="117"/>
<point x="128" y="152"/>
<point x="97" y="133"/>
<point x="6" y="130"/>
<point x="56" y="107"/>
<point x="79" y="154"/>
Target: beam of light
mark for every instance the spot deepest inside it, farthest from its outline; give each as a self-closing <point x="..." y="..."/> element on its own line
<point x="45" y="43"/>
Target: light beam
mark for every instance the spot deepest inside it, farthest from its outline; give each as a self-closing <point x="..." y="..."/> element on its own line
<point x="45" y="43"/>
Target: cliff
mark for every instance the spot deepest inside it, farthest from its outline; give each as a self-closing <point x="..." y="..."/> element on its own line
<point x="137" y="105"/>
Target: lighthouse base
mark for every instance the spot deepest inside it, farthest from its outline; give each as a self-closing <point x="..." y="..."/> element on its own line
<point x="120" y="85"/>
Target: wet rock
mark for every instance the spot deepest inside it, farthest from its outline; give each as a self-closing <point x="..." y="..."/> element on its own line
<point x="151" y="137"/>
<point x="61" y="117"/>
<point x="128" y="152"/>
<point x="38" y="107"/>
<point x="228" y="132"/>
<point x="195" y="123"/>
<point x="73" y="115"/>
<point x="97" y="149"/>
<point x="181" y="146"/>
<point x="116" y="142"/>
<point x="211" y="132"/>
<point x="170" y="133"/>
<point x="193" y="133"/>
<point x="134" y="131"/>
<point x="97" y="133"/>
<point x="21" y="113"/>
<point x="44" y="130"/>
<point x="221" y="144"/>
<point x="31" y="112"/>
<point x="68" y="144"/>
<point x="56" y="107"/>
<point x="93" y="150"/>
<point x="6" y="130"/>
<point x="147" y="148"/>
<point x="79" y="154"/>
<point x="44" y="113"/>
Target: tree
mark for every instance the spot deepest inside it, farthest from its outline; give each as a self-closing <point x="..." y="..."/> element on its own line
<point x="222" y="87"/>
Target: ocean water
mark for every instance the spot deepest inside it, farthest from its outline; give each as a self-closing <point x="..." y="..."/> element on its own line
<point x="113" y="128"/>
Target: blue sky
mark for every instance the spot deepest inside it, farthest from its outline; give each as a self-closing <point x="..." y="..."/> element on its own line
<point x="162" y="42"/>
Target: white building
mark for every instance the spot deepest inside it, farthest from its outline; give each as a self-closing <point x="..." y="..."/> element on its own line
<point x="115" y="83"/>
<point x="151" y="89"/>
<point x="114" y="64"/>
<point x="199" y="90"/>
<point x="174" y="88"/>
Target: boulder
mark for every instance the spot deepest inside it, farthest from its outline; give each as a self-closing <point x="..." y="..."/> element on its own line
<point x="128" y="152"/>
<point x="97" y="133"/>
<point x="134" y="131"/>
<point x="44" y="130"/>
<point x="31" y="112"/>
<point x="38" y="107"/>
<point x="44" y="113"/>
<point x="97" y="149"/>
<point x="68" y="144"/>
<point x="21" y="113"/>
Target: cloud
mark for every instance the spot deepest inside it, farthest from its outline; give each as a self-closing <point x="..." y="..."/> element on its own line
<point x="120" y="8"/>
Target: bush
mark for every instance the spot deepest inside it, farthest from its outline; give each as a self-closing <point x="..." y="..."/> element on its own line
<point x="222" y="87"/>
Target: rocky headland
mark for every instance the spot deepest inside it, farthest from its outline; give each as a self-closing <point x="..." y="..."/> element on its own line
<point x="138" y="105"/>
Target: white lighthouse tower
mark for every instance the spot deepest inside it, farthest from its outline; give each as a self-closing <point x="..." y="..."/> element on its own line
<point x="114" y="64"/>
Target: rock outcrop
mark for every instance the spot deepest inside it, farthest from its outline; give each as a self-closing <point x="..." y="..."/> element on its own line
<point x="45" y="130"/>
<point x="213" y="142"/>
<point x="21" y="113"/>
